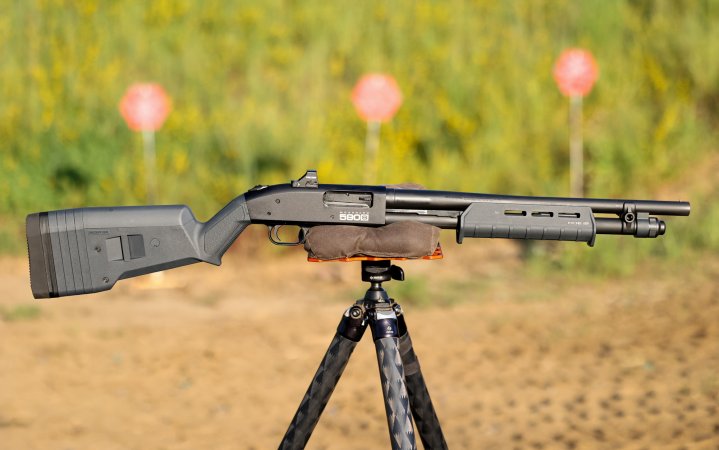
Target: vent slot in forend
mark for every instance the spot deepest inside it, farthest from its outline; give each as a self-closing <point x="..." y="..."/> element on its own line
<point x="542" y="214"/>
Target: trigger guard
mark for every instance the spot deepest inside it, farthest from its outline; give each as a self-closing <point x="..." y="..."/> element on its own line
<point x="272" y="233"/>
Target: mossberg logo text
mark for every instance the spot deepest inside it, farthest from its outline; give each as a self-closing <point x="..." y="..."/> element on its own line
<point x="351" y="216"/>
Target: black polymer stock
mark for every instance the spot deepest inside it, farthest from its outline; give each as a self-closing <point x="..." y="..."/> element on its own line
<point x="85" y="250"/>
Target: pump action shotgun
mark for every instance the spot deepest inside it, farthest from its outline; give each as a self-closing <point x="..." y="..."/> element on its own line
<point x="85" y="250"/>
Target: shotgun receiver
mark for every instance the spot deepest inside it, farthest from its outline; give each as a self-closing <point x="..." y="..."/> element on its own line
<point x="85" y="250"/>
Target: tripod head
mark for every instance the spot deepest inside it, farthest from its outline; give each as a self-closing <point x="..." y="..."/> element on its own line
<point x="376" y="273"/>
<point x="381" y="271"/>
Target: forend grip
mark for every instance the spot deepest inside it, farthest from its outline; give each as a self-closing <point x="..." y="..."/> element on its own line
<point x="79" y="251"/>
<point x="527" y="221"/>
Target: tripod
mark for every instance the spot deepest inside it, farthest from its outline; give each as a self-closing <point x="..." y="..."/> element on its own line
<point x="403" y="386"/>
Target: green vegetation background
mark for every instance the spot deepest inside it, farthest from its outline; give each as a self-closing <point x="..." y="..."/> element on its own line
<point x="261" y="92"/>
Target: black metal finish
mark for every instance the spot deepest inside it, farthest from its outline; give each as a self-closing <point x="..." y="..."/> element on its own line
<point x="459" y="201"/>
<point x="353" y="324"/>
<point x="383" y="322"/>
<point x="381" y="271"/>
<point x="385" y="327"/>
<point x="328" y="204"/>
<point x="444" y="222"/>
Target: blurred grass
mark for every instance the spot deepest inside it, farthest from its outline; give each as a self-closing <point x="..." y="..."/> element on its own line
<point x="261" y="93"/>
<point x="20" y="313"/>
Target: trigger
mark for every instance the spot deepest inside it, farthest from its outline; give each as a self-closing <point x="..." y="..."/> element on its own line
<point x="273" y="234"/>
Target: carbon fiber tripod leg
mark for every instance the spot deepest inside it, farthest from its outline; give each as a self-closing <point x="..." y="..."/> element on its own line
<point x="391" y="371"/>
<point x="428" y="428"/>
<point x="349" y="332"/>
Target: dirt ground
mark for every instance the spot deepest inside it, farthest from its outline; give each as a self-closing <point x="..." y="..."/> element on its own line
<point x="219" y="358"/>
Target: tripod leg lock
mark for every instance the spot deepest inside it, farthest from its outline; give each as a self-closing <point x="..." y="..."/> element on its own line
<point x="353" y="324"/>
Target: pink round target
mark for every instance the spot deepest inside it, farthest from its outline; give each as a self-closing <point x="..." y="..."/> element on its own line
<point x="575" y="72"/>
<point x="377" y="97"/>
<point x="145" y="106"/>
